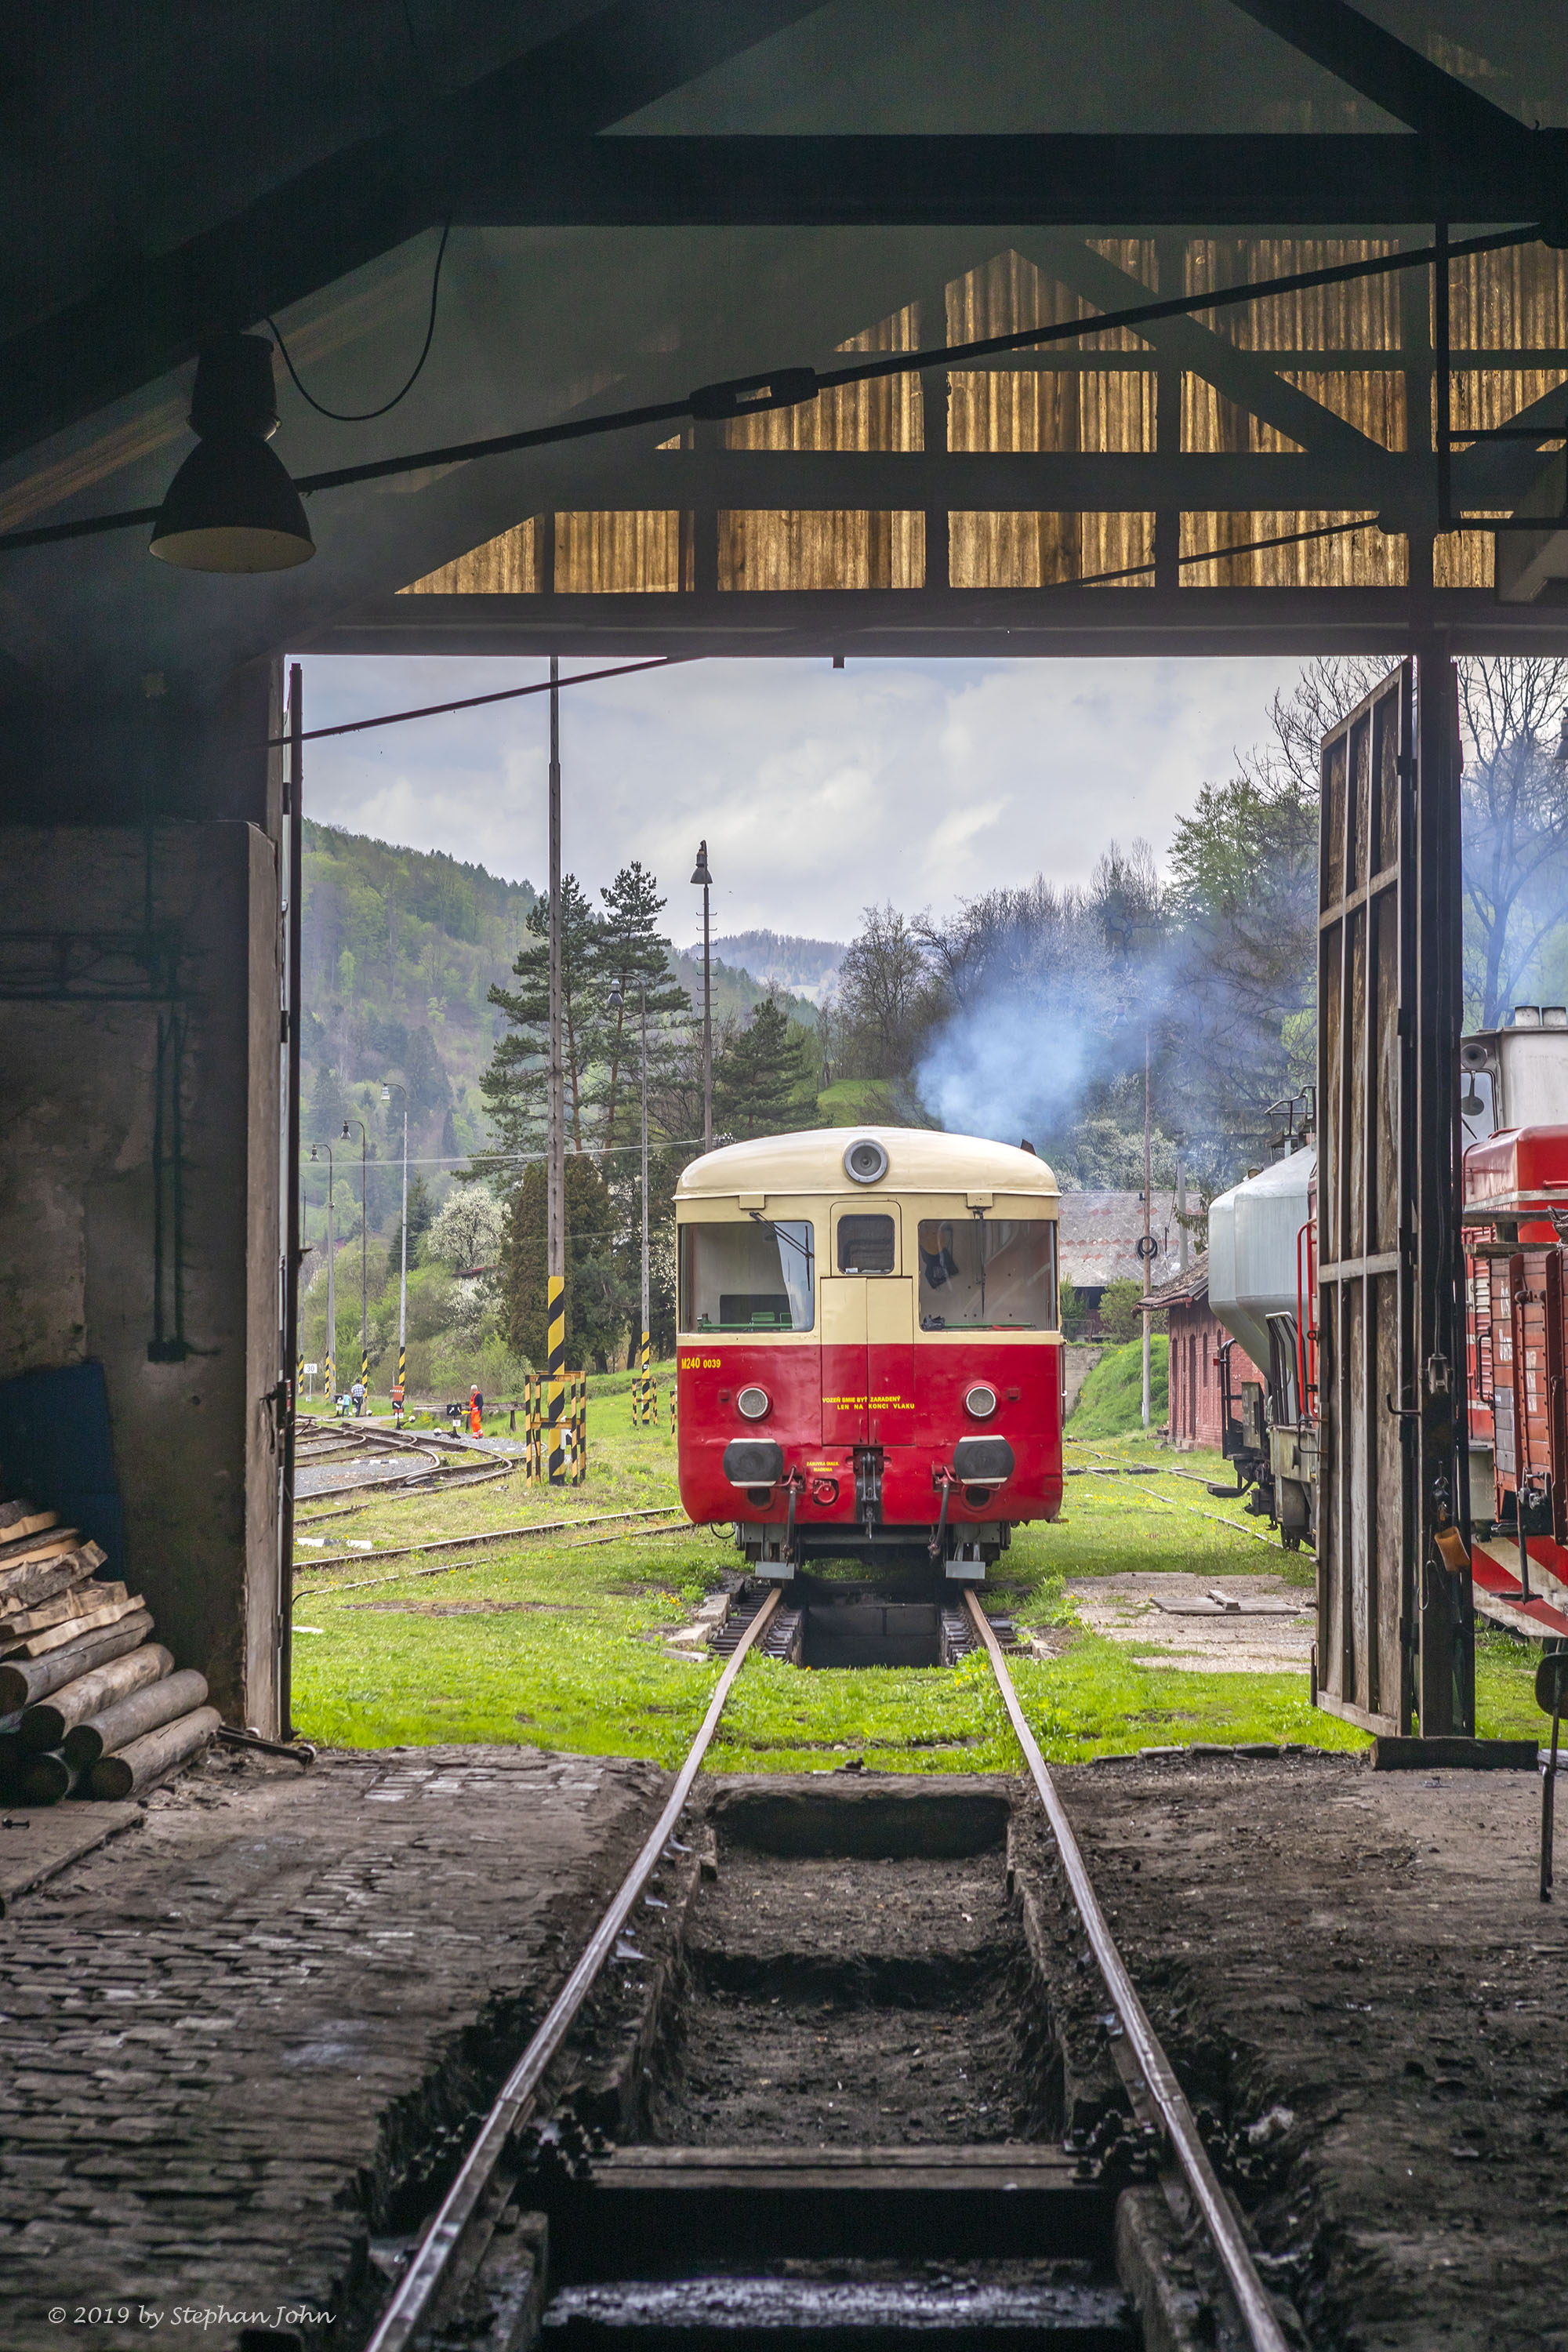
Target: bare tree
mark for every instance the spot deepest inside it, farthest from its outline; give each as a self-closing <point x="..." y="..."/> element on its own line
<point x="885" y="998"/>
<point x="1513" y="724"/>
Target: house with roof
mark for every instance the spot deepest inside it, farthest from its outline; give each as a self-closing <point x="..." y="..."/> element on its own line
<point x="1098" y="1240"/>
<point x="1196" y="1379"/>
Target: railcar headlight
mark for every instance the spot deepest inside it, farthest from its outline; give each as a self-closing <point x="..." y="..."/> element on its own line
<point x="981" y="1401"/>
<point x="866" y="1161"/>
<point x="752" y="1403"/>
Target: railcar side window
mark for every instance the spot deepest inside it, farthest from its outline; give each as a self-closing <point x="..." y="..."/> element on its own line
<point x="997" y="1273"/>
<point x="758" y="1277"/>
<point x="865" y="1244"/>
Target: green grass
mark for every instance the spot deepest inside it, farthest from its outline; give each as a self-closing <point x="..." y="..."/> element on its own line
<point x="568" y="1653"/>
<point x="1110" y="1402"/>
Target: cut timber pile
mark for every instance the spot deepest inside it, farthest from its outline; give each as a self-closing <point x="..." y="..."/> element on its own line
<point x="88" y="1701"/>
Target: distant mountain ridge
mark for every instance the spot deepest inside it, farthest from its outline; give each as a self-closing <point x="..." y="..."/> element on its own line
<point x="782" y="960"/>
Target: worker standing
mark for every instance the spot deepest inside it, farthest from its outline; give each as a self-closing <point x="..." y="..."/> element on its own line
<point x="397" y="1396"/>
<point x="476" y="1412"/>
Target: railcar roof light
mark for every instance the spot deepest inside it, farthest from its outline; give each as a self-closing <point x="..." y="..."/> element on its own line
<point x="231" y="506"/>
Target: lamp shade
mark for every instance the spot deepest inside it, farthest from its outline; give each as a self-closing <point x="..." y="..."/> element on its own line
<point x="702" y="875"/>
<point x="232" y="508"/>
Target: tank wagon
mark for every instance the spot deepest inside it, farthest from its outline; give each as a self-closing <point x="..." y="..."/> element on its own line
<point x="870" y="1360"/>
<point x="1514" y="1214"/>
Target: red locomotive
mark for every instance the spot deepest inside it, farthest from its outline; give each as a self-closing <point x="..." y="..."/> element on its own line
<point x="870" y="1363"/>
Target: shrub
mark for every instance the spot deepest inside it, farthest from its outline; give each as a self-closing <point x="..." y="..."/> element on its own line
<point x="1110" y="1402"/>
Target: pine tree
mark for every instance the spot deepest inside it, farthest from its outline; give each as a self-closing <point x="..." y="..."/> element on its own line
<point x="633" y="956"/>
<point x="596" y="1303"/>
<point x="421" y="1214"/>
<point x="761" y="1081"/>
<point x="516" y="1083"/>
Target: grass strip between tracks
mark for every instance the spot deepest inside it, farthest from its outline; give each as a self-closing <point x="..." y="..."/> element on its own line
<point x="468" y="1543"/>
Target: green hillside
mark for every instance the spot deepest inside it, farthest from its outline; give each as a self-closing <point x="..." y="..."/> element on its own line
<point x="400" y="947"/>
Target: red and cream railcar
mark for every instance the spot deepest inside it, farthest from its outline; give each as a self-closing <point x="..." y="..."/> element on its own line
<point x="869" y="1346"/>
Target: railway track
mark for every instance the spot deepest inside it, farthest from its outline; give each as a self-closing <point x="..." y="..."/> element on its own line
<point x="807" y="2077"/>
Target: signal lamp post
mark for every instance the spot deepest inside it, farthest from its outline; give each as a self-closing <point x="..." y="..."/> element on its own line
<point x="386" y="1093"/>
<point x="703" y="878"/>
<point x="645" y="1401"/>
<point x="363" y="1248"/>
<point x="332" y="1279"/>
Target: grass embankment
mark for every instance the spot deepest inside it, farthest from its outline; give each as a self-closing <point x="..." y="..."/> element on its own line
<point x="557" y="1641"/>
<point x="1110" y="1402"/>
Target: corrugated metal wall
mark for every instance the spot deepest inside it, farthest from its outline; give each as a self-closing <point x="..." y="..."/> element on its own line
<point x="1364" y="354"/>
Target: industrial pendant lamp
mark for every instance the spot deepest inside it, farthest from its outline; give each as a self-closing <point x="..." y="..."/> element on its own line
<point x="231" y="506"/>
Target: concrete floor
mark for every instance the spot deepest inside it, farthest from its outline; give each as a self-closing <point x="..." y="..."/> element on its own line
<point x="225" y="2036"/>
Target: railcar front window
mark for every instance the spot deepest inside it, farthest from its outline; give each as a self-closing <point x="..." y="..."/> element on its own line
<point x="988" y="1274"/>
<point x="758" y="1277"/>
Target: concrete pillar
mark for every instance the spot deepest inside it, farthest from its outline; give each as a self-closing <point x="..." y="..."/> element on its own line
<point x="140" y="1064"/>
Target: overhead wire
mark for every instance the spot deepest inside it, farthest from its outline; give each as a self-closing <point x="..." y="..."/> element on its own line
<point x="790" y="387"/>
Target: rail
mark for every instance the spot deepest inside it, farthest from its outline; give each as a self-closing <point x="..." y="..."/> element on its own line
<point x="463" y="2207"/>
<point x="1264" y="2331"/>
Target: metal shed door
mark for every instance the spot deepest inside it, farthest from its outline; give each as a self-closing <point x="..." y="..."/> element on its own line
<point x="1366" y="974"/>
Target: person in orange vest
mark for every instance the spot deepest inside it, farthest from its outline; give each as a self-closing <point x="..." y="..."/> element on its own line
<point x="476" y="1412"/>
<point x="398" y="1395"/>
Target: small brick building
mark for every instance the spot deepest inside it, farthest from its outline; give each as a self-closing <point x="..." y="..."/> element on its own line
<point x="1197" y="1397"/>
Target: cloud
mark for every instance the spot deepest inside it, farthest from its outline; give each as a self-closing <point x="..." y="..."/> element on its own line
<point x="818" y="790"/>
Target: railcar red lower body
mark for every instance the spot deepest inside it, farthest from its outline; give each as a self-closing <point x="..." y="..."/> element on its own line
<point x="859" y="1444"/>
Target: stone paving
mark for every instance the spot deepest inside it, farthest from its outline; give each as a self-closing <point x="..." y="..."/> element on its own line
<point x="225" y="2038"/>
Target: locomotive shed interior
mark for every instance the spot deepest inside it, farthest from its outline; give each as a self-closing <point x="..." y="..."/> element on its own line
<point x="250" y="2034"/>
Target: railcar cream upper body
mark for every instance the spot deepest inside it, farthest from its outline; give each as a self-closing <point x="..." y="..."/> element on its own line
<point x="971" y="1222"/>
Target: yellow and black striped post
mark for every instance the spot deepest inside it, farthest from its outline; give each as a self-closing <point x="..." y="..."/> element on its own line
<point x="644" y="1386"/>
<point x="556" y="1356"/>
<point x="365" y="1366"/>
<point x="673" y="1409"/>
<point x="402" y="1369"/>
<point x="582" y="1427"/>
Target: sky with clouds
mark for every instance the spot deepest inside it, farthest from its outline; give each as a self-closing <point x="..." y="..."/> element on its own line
<point x="819" y="790"/>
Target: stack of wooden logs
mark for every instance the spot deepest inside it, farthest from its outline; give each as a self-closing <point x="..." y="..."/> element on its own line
<point x="88" y="1703"/>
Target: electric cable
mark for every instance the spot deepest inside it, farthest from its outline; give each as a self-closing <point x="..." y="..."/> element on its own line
<point x="364" y="416"/>
<point x="790" y="387"/>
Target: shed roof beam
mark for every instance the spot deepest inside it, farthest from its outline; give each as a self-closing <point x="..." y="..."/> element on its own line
<point x="1239" y="374"/>
<point x="915" y="623"/>
<point x="879" y="480"/>
<point x="1061" y="179"/>
<point x="1386" y="70"/>
<point x="359" y="203"/>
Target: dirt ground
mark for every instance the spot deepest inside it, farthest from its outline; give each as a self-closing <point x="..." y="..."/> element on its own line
<point x="1354" y="1972"/>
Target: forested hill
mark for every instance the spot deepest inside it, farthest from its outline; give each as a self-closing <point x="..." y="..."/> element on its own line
<point x="400" y="949"/>
<point x="400" y="946"/>
<point x="807" y="968"/>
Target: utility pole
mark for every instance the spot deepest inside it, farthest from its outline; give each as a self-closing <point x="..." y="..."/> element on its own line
<point x="1147" y="1252"/>
<point x="555" y="1178"/>
<point x="646" y="1400"/>
<point x="386" y="1093"/>
<point x="703" y="878"/>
